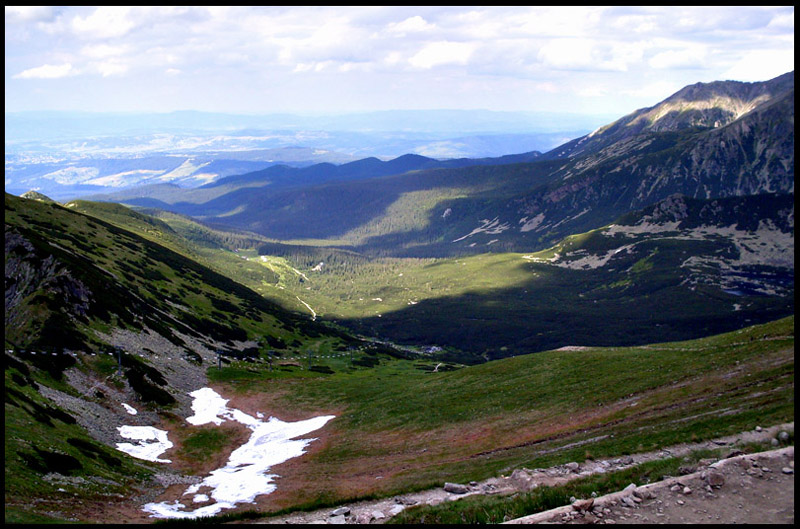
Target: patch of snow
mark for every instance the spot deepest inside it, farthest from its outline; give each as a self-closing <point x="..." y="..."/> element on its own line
<point x="129" y="409"/>
<point x="528" y="225"/>
<point x="492" y="227"/>
<point x="245" y="476"/>
<point x="152" y="442"/>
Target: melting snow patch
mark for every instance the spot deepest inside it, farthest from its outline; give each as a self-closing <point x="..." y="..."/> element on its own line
<point x="246" y="474"/>
<point x="129" y="409"/>
<point x="152" y="442"/>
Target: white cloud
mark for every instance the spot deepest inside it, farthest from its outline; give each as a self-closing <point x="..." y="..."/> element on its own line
<point x="654" y="91"/>
<point x="105" y="22"/>
<point x="591" y="55"/>
<point x="389" y="49"/>
<point x="47" y="71"/>
<point x="101" y="51"/>
<point x="413" y="24"/>
<point x="782" y="21"/>
<point x="30" y="13"/>
<point x="111" y="67"/>
<point x="761" y="65"/>
<point x="443" y="52"/>
<point x="694" y="57"/>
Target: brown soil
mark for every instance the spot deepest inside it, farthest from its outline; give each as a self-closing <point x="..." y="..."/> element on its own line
<point x="753" y="489"/>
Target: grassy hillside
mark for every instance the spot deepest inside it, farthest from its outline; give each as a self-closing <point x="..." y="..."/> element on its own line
<point x="400" y="428"/>
<point x="78" y="290"/>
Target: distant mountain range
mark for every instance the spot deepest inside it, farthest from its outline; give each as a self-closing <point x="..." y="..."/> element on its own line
<point x="707" y="141"/>
<point x="69" y="155"/>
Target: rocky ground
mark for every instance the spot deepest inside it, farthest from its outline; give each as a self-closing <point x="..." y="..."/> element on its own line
<point x="757" y="488"/>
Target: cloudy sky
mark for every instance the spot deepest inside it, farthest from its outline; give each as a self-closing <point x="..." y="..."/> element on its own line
<point x="609" y="60"/>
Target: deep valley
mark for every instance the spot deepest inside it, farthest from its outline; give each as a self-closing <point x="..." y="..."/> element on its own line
<point x="452" y="320"/>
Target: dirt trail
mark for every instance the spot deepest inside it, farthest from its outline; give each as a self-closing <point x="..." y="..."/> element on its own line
<point x="757" y="488"/>
<point x="754" y="488"/>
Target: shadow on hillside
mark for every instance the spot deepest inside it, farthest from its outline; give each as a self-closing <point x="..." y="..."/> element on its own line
<point x="571" y="310"/>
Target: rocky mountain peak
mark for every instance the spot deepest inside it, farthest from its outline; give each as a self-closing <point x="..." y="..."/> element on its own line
<point x="697" y="106"/>
<point x="35" y="195"/>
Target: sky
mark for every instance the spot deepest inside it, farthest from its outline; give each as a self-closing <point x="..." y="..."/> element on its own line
<point x="337" y="59"/>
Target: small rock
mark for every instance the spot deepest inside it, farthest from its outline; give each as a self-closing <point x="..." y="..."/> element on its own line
<point x="758" y="428"/>
<point x="341" y="511"/>
<point x="572" y="466"/>
<point x="787" y="470"/>
<point x="337" y="520"/>
<point x="774" y="442"/>
<point x="363" y="518"/>
<point x="755" y="472"/>
<point x="583" y="505"/>
<point x="680" y="502"/>
<point x="643" y="494"/>
<point x="378" y="515"/>
<point x="456" y="488"/>
<point x="687" y="490"/>
<point x="675" y="488"/>
<point x="715" y="479"/>
<point x="396" y="509"/>
<point x="521" y="479"/>
<point x="783" y="436"/>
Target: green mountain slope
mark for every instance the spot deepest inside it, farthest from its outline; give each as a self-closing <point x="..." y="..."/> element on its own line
<point x="95" y="278"/>
<point x="97" y="316"/>
<point x="680" y="269"/>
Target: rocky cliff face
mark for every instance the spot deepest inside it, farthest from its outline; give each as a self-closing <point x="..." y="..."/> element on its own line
<point x="40" y="292"/>
<point x="751" y="154"/>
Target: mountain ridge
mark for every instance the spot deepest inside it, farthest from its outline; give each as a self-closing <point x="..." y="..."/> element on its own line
<point x="535" y="199"/>
<point x="701" y="105"/>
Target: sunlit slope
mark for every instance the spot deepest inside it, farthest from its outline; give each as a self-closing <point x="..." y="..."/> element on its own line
<point x="401" y="428"/>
